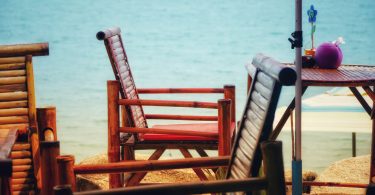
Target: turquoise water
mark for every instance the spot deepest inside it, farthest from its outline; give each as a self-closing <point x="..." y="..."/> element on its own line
<point x="173" y="44"/>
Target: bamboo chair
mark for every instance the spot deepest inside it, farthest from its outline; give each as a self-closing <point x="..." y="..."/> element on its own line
<point x="19" y="150"/>
<point x="135" y="133"/>
<point x="244" y="164"/>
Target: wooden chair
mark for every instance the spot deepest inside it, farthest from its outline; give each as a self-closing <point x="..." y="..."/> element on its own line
<point x="19" y="139"/>
<point x="244" y="163"/>
<point x="135" y="133"/>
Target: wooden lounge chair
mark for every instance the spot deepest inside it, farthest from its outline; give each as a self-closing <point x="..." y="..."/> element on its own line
<point x="244" y="163"/>
<point x="19" y="145"/>
<point x="136" y="135"/>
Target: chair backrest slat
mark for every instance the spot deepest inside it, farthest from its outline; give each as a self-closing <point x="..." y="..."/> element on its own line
<point x="120" y="65"/>
<point x="257" y="119"/>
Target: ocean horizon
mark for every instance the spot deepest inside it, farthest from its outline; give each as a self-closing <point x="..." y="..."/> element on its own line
<point x="178" y="44"/>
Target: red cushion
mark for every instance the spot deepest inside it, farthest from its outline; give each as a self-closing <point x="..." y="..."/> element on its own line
<point x="203" y="127"/>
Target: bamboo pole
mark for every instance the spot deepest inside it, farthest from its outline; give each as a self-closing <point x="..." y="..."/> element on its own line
<point x="65" y="172"/>
<point x="181" y="117"/>
<point x="171" y="103"/>
<point x="224" y="123"/>
<point x="230" y="93"/>
<point x="274" y="167"/>
<point x="48" y="153"/>
<point x="180" y="90"/>
<point x="12" y="60"/>
<point x="168" y="131"/>
<point x="35" y="49"/>
<point x="47" y="123"/>
<point x="113" y="89"/>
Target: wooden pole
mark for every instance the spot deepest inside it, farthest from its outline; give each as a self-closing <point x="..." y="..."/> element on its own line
<point x="224" y="123"/>
<point x="249" y="81"/>
<point x="354" y="145"/>
<point x="274" y="167"/>
<point x="62" y="190"/>
<point x="35" y="49"/>
<point x="49" y="150"/>
<point x="47" y="123"/>
<point x="113" y="89"/>
<point x="230" y="93"/>
<point x="65" y="171"/>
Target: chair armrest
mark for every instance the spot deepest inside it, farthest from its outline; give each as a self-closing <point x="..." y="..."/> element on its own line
<point x="171" y="103"/>
<point x="250" y="184"/>
<point x="168" y="131"/>
<point x="7" y="139"/>
<point x="179" y="90"/>
<point x="152" y="165"/>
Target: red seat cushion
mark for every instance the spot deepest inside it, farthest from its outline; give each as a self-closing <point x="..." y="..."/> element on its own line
<point x="203" y="127"/>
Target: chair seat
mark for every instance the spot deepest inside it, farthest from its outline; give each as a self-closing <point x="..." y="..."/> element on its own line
<point x="201" y="127"/>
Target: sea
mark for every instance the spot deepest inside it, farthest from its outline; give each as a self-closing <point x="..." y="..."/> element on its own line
<point x="181" y="43"/>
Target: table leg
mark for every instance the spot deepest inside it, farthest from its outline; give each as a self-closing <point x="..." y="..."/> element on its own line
<point x="285" y="117"/>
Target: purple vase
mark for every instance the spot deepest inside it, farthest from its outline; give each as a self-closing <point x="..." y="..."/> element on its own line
<point x="328" y="55"/>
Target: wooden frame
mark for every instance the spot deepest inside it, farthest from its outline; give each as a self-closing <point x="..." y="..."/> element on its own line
<point x="133" y="120"/>
<point x="18" y="110"/>
<point x="273" y="182"/>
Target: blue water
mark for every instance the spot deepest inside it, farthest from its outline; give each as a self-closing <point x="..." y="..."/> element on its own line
<point x="172" y="44"/>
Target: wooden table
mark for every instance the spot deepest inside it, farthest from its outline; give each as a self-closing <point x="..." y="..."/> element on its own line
<point x="351" y="76"/>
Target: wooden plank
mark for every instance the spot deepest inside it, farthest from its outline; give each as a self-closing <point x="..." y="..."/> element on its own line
<point x="35" y="49"/>
<point x="12" y="60"/>
<point x="12" y="88"/>
<point x="259" y="100"/>
<point x="181" y="117"/>
<point x="179" y="90"/>
<point x="137" y="177"/>
<point x="168" y="131"/>
<point x="14" y="66"/>
<point x="20" y="168"/>
<point x="13" y="104"/>
<point x="185" y="152"/>
<point x="266" y="80"/>
<point x="12" y="80"/>
<point x="12" y="73"/>
<point x="13" y="119"/>
<point x="22" y="187"/>
<point x="24" y="161"/>
<point x="20" y="154"/>
<point x="22" y="181"/>
<point x="263" y="90"/>
<point x="20" y="175"/>
<point x="13" y="96"/>
<point x="13" y="112"/>
<point x="171" y="103"/>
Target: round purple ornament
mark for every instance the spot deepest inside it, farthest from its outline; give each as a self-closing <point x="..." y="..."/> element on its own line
<point x="329" y="55"/>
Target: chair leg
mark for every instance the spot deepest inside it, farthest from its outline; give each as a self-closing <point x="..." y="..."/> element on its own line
<point x="185" y="152"/>
<point x="127" y="153"/>
<point x="203" y="153"/>
<point x="137" y="177"/>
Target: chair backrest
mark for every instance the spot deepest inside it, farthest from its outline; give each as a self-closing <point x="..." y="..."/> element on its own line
<point x="120" y="65"/>
<point x="258" y="116"/>
<point x="17" y="97"/>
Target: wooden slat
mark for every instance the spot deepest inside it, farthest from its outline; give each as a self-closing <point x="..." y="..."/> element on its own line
<point x="22" y="181"/>
<point x="20" y="168"/>
<point x="13" y="120"/>
<point x="259" y="100"/>
<point x="179" y="90"/>
<point x="12" y="73"/>
<point x="24" y="161"/>
<point x="263" y="90"/>
<point x="13" y="96"/>
<point x="12" y="60"/>
<point x="12" y="80"/>
<point x="26" y="192"/>
<point x="168" y="131"/>
<point x="13" y="112"/>
<point x="20" y="154"/>
<point x="181" y="117"/>
<point x="15" y="66"/>
<point x="22" y="127"/>
<point x="20" y="175"/>
<point x="22" y="187"/>
<point x="266" y="80"/>
<point x="35" y="49"/>
<point x="171" y="103"/>
<point x="21" y="146"/>
<point x="12" y="88"/>
<point x="238" y="169"/>
<point x="13" y="104"/>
